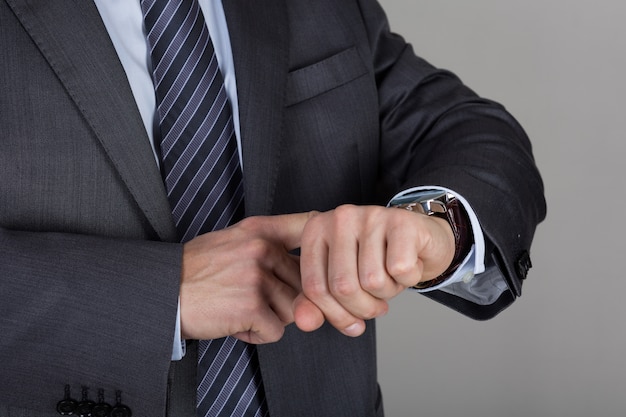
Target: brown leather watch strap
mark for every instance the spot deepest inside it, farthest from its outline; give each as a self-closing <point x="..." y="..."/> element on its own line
<point x="462" y="230"/>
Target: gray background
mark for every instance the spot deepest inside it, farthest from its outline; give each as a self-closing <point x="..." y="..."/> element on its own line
<point x="558" y="66"/>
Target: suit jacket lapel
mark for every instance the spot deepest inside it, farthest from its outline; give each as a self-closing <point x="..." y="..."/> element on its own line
<point x="73" y="39"/>
<point x="259" y="39"/>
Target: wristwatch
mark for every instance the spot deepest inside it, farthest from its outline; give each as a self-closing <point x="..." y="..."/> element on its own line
<point x="442" y="204"/>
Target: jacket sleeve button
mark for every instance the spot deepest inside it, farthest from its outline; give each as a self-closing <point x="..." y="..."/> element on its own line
<point x="67" y="405"/>
<point x="84" y="407"/>
<point x="101" y="410"/>
<point x="121" y="410"/>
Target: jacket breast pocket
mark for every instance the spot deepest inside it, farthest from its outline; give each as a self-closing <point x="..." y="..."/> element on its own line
<point x="332" y="72"/>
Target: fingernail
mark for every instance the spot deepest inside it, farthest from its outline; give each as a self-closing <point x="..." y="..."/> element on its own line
<point x="354" y="330"/>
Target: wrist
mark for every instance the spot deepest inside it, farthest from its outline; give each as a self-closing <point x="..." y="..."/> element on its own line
<point x="445" y="207"/>
<point x="444" y="248"/>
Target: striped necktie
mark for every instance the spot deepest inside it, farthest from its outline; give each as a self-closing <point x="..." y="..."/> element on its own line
<point x="202" y="174"/>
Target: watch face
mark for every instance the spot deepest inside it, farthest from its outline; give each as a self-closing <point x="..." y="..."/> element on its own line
<point x="419" y="196"/>
<point x="429" y="203"/>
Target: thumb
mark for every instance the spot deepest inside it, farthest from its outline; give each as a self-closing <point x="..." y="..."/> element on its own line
<point x="308" y="316"/>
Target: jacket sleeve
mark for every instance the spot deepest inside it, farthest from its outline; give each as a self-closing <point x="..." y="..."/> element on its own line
<point x="89" y="313"/>
<point x="436" y="131"/>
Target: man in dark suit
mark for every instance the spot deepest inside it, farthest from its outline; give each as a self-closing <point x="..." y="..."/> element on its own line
<point x="335" y="117"/>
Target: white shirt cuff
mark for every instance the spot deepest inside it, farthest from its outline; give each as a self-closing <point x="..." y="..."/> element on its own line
<point x="179" y="347"/>
<point x="474" y="262"/>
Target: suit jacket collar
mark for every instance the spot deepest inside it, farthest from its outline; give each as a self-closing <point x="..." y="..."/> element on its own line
<point x="75" y="42"/>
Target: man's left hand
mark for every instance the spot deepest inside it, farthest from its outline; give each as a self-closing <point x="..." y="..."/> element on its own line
<point x="356" y="258"/>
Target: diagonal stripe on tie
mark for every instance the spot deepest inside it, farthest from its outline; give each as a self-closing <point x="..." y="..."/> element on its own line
<point x="202" y="175"/>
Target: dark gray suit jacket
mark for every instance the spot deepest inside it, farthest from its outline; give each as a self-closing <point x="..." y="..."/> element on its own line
<point x="334" y="109"/>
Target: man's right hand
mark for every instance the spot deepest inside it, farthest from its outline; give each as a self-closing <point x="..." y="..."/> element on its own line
<point x="241" y="281"/>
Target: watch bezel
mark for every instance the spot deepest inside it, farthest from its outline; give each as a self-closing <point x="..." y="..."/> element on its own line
<point x="431" y="203"/>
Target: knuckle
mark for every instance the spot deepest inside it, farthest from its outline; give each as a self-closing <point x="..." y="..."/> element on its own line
<point x="250" y="223"/>
<point x="344" y="212"/>
<point x="343" y="286"/>
<point x="372" y="282"/>
<point x="400" y="269"/>
<point x="315" y="224"/>
<point x="370" y="312"/>
<point x="273" y="334"/>
<point x="313" y="232"/>
<point x="313" y="289"/>
<point x="257" y="248"/>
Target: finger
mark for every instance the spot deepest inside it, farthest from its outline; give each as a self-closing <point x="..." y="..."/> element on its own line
<point x="286" y="267"/>
<point x="314" y="270"/>
<point x="405" y="247"/>
<point x="344" y="280"/>
<point x="373" y="275"/>
<point x="268" y="256"/>
<point x="403" y="263"/>
<point x="268" y="313"/>
<point x="279" y="276"/>
<point x="268" y="329"/>
<point x="281" y="297"/>
<point x="439" y="253"/>
<point x="307" y="315"/>
<point x="287" y="228"/>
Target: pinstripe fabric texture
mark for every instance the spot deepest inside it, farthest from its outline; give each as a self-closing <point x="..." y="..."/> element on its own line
<point x="202" y="174"/>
